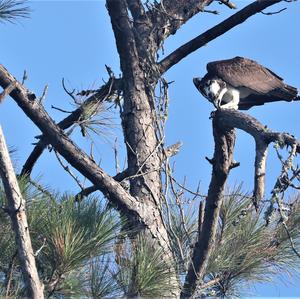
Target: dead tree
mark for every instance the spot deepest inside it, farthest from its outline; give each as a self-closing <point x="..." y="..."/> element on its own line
<point x="140" y="30"/>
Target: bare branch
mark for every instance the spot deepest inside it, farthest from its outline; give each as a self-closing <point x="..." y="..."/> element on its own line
<point x="24" y="78"/>
<point x="201" y="217"/>
<point x="224" y="143"/>
<point x="209" y="35"/>
<point x="60" y="109"/>
<point x="210" y="283"/>
<point x="260" y="171"/>
<point x="228" y="4"/>
<point x="70" y="93"/>
<point x="69" y="171"/>
<point x="44" y="94"/>
<point x="101" y="95"/>
<point x="16" y="211"/>
<point x="291" y="239"/>
<point x="6" y="91"/>
<point x="147" y="214"/>
<point x="89" y="190"/>
<point x="273" y="12"/>
<point x="85" y="192"/>
<point x="9" y="274"/>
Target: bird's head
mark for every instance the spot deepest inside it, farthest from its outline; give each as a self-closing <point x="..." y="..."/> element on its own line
<point x="209" y="88"/>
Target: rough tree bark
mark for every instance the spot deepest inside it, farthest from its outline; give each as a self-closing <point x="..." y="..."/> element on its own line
<point x="148" y="215"/>
<point x="138" y="116"/>
<point x="140" y="30"/>
<point x="222" y="162"/>
<point x="16" y="211"/>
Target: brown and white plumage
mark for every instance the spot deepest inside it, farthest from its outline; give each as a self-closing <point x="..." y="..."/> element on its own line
<point x="242" y="83"/>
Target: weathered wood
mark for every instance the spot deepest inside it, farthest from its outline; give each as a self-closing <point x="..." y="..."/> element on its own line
<point x="222" y="161"/>
<point x="147" y="214"/>
<point x="136" y="49"/>
<point x="16" y="211"/>
<point x="261" y="152"/>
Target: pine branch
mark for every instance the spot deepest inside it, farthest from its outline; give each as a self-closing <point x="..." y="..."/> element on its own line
<point x="10" y="10"/>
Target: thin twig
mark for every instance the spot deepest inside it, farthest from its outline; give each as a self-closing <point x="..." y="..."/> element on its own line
<point x="210" y="283"/>
<point x="61" y="110"/>
<point x="197" y="194"/>
<point x="68" y="170"/>
<point x="291" y="239"/>
<point x="9" y="274"/>
<point x="117" y="165"/>
<point x="25" y="77"/>
<point x="7" y="91"/>
<point x="70" y="93"/>
<point x="44" y="94"/>
<point x="140" y="174"/>
<point x="40" y="188"/>
<point x="41" y="248"/>
<point x="228" y="4"/>
<point x="274" y="12"/>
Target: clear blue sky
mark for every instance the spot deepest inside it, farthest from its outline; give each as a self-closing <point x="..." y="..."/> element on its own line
<point x="73" y="39"/>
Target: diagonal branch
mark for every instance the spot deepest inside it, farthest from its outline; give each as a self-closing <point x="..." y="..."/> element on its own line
<point x="209" y="35"/>
<point x="101" y="95"/>
<point x="147" y="214"/>
<point x="91" y="189"/>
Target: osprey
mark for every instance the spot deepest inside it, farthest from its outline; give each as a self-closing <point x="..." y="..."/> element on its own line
<point x="240" y="83"/>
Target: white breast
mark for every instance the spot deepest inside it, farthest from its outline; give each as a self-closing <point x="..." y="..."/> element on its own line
<point x="212" y="89"/>
<point x="231" y="99"/>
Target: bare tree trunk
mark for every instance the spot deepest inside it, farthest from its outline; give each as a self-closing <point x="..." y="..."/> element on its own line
<point x="16" y="211"/>
<point x="140" y="29"/>
<point x="137" y="51"/>
<point x="222" y="162"/>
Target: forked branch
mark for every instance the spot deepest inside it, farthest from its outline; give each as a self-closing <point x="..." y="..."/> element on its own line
<point x="223" y="122"/>
<point x="263" y="137"/>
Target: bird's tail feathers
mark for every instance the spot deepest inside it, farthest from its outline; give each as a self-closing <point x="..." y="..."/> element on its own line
<point x="287" y="93"/>
<point x="296" y="98"/>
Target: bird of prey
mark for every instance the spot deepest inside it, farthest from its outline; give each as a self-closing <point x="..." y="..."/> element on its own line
<point x="241" y="83"/>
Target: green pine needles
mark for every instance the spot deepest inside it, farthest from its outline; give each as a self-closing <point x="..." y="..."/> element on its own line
<point x="82" y="249"/>
<point x="11" y="10"/>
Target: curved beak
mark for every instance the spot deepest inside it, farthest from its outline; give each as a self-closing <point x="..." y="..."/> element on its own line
<point x="197" y="82"/>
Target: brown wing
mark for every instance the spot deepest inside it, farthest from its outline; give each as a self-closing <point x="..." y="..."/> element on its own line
<point x="243" y="72"/>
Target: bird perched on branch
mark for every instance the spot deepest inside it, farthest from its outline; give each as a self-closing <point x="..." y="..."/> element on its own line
<point x="241" y="83"/>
